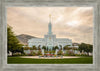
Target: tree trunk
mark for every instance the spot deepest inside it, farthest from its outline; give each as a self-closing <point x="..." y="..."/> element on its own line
<point x="12" y="53"/>
<point x="88" y="53"/>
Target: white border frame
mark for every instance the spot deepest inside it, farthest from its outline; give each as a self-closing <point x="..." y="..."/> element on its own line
<point x="48" y="3"/>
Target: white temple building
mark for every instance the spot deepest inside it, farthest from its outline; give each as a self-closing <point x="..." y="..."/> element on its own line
<point x="49" y="40"/>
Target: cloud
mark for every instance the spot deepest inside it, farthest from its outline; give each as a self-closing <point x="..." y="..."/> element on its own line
<point x="75" y="23"/>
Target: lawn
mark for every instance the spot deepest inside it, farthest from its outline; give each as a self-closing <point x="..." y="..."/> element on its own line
<point x="81" y="60"/>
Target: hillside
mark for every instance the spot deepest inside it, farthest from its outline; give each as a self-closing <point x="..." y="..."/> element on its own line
<point x="23" y="38"/>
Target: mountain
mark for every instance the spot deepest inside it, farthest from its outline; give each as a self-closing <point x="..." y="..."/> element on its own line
<point x="23" y="38"/>
<point x="75" y="44"/>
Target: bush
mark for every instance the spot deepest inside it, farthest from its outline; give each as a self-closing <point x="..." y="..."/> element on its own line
<point x="17" y="54"/>
<point x="81" y="55"/>
<point x="30" y="54"/>
<point x="26" y="48"/>
<point x="23" y="54"/>
<point x="39" y="53"/>
<point x="33" y="53"/>
<point x="45" y="51"/>
<point x="69" y="53"/>
<point x="53" y="51"/>
<point x="55" y="55"/>
<point x="77" y="55"/>
<point x="60" y="52"/>
<point x="66" y="55"/>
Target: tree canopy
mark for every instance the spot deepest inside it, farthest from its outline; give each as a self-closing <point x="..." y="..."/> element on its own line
<point x="66" y="47"/>
<point x="86" y="47"/>
<point x="34" y="48"/>
<point x="56" y="47"/>
<point x="44" y="47"/>
<point x="12" y="42"/>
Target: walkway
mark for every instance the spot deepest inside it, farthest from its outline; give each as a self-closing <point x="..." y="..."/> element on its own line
<point x="37" y="57"/>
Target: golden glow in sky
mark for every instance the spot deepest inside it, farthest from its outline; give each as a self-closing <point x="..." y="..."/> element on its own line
<point x="75" y="23"/>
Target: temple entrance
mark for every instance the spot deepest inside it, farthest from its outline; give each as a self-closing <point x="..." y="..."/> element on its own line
<point x="50" y="48"/>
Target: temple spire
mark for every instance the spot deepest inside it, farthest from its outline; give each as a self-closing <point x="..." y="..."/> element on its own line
<point x="50" y="17"/>
<point x="50" y="26"/>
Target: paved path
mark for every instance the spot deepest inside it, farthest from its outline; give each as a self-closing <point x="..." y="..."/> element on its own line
<point x="37" y="57"/>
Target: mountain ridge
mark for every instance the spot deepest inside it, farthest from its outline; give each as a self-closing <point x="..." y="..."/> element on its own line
<point x="23" y="38"/>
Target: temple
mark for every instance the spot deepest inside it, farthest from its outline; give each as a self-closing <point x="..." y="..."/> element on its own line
<point x="49" y="40"/>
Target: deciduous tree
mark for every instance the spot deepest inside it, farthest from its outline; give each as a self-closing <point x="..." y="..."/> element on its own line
<point x="12" y="42"/>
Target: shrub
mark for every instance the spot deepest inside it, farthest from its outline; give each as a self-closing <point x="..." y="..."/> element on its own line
<point x="55" y="55"/>
<point x="46" y="51"/>
<point x="83" y="55"/>
<point x="17" y="54"/>
<point x="71" y="53"/>
<point x="25" y="54"/>
<point x="50" y="52"/>
<point x="53" y="51"/>
<point x="60" y="52"/>
<point x="65" y="54"/>
<point x="30" y="54"/>
<point x="77" y="55"/>
<point x="33" y="53"/>
<point x="39" y="53"/>
<point x="26" y="48"/>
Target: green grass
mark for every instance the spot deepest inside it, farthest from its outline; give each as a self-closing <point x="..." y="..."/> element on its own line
<point x="81" y="60"/>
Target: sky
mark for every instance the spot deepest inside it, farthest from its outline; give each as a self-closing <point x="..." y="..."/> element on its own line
<point x="75" y="23"/>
